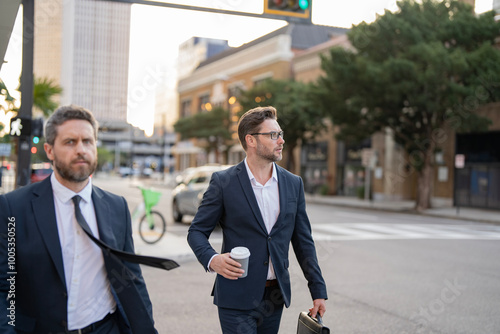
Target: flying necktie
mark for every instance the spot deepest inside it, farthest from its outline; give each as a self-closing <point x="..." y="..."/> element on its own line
<point x="151" y="261"/>
<point x="123" y="279"/>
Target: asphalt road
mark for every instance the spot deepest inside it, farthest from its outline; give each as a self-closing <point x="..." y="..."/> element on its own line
<point x="385" y="272"/>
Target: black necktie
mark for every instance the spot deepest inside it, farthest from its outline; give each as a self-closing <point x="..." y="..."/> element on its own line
<point x="123" y="280"/>
<point x="152" y="261"/>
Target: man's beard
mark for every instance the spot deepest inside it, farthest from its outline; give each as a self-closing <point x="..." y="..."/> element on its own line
<point x="80" y="175"/>
<point x="264" y="153"/>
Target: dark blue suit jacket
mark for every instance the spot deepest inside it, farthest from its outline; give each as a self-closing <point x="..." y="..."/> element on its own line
<point x="230" y="201"/>
<point x="40" y="287"/>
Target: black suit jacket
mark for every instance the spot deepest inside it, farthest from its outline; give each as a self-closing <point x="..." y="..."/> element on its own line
<point x="28" y="215"/>
<point x="230" y="201"/>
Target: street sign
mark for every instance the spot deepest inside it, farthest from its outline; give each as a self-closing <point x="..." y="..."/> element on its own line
<point x="366" y="157"/>
<point x="4" y="150"/>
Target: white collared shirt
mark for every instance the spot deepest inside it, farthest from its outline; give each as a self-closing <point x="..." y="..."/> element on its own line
<point x="89" y="290"/>
<point x="268" y="199"/>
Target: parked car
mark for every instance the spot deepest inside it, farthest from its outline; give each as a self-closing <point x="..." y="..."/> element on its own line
<point x="189" y="192"/>
<point x="39" y="174"/>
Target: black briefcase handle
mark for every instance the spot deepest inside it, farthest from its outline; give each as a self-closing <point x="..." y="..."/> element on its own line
<point x="310" y="325"/>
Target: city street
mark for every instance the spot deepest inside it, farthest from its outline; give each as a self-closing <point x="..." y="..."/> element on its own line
<point x="386" y="272"/>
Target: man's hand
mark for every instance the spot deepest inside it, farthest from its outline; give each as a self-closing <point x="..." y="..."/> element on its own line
<point x="319" y="306"/>
<point x="223" y="265"/>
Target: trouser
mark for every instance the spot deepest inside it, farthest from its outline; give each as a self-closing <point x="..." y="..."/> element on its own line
<point x="264" y="319"/>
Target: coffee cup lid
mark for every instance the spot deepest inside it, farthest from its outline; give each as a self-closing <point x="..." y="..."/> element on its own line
<point x="240" y="252"/>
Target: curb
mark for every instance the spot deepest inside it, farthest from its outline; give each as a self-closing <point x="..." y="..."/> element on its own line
<point x="396" y="209"/>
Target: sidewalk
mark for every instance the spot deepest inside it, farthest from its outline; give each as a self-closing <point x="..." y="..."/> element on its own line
<point x="407" y="206"/>
<point x="471" y="214"/>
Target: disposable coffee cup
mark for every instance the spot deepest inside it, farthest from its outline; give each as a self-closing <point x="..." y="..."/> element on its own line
<point x="241" y="255"/>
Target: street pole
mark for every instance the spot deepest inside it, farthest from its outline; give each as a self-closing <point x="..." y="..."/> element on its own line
<point x="367" y="182"/>
<point x="23" y="170"/>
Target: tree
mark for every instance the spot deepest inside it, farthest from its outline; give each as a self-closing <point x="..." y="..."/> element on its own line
<point x="44" y="91"/>
<point x="212" y="127"/>
<point x="299" y="119"/>
<point x="104" y="156"/>
<point x="6" y="107"/>
<point x="417" y="71"/>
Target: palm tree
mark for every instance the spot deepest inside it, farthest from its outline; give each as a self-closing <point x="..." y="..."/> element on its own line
<point x="44" y="91"/>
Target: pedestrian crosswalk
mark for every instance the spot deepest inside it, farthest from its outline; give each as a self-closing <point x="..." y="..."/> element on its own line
<point x="384" y="231"/>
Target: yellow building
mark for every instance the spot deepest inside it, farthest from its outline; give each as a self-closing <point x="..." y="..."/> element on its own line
<point x="217" y="81"/>
<point x="328" y="166"/>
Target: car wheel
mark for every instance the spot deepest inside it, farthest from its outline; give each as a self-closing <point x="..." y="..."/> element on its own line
<point x="176" y="212"/>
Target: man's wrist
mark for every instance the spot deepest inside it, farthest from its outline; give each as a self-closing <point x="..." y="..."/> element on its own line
<point x="209" y="269"/>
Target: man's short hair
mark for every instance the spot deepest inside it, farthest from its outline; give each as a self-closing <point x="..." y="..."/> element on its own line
<point x="67" y="113"/>
<point x="251" y="121"/>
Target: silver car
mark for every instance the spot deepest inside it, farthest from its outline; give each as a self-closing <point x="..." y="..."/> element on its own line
<point x="188" y="194"/>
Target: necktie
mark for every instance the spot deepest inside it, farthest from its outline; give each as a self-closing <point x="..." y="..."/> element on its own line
<point x="122" y="279"/>
<point x="151" y="261"/>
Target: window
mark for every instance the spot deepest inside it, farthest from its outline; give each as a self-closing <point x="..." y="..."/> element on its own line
<point x="186" y="108"/>
<point x="204" y="103"/>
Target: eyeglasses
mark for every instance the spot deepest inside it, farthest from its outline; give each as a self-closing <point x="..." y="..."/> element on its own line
<point x="274" y="135"/>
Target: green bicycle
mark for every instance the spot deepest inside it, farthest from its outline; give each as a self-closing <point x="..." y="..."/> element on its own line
<point x="152" y="225"/>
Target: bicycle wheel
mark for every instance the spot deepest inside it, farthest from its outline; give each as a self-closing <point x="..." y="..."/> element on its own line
<point x="152" y="230"/>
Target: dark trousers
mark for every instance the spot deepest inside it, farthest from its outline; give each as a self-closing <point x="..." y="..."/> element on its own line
<point x="108" y="327"/>
<point x="264" y="319"/>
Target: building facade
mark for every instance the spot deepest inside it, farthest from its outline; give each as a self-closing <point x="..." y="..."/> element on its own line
<point x="217" y="81"/>
<point x="83" y="45"/>
<point x="333" y="167"/>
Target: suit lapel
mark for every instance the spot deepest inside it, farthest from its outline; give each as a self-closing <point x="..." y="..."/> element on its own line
<point x="283" y="191"/>
<point x="102" y="213"/>
<point x="45" y="217"/>
<point x="249" y="194"/>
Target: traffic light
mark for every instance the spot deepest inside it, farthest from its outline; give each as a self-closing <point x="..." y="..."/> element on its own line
<point x="20" y="127"/>
<point x="290" y="10"/>
<point x="37" y="127"/>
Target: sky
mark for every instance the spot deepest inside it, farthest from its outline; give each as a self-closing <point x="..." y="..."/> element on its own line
<point x="156" y="33"/>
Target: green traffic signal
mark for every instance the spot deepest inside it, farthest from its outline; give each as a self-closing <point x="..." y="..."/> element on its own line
<point x="36" y="140"/>
<point x="290" y="10"/>
<point x="304" y="4"/>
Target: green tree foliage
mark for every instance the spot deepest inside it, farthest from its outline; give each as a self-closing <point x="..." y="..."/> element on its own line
<point x="44" y="92"/>
<point x="211" y="127"/>
<point x="6" y="105"/>
<point x="297" y="116"/>
<point x="417" y="72"/>
<point x="104" y="156"/>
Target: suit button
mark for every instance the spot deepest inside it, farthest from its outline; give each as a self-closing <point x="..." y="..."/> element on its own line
<point x="266" y="263"/>
<point x="269" y="238"/>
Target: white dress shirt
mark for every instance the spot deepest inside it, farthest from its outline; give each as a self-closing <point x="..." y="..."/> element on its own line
<point x="89" y="290"/>
<point x="268" y="198"/>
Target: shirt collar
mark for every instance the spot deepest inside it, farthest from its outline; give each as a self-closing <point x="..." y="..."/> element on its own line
<point x="65" y="195"/>
<point x="251" y="177"/>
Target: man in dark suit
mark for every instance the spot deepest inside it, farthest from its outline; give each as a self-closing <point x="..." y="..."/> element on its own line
<point x="260" y="206"/>
<point x="53" y="277"/>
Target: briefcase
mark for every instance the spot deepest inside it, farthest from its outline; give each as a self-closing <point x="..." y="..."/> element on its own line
<point x="309" y="325"/>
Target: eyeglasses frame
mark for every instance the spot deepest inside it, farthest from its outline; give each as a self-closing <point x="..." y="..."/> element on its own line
<point x="271" y="134"/>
